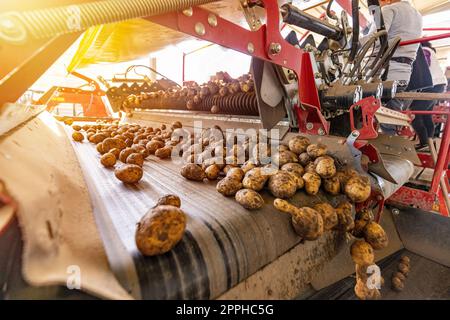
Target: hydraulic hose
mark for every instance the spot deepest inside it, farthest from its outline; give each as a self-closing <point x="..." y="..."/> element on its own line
<point x="50" y="22"/>
<point x="355" y="35"/>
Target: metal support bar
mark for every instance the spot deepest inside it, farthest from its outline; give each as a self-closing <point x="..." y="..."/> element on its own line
<point x="18" y="81"/>
<point x="424" y="39"/>
<point x="442" y="182"/>
<point x="422" y="96"/>
<point x="442" y="160"/>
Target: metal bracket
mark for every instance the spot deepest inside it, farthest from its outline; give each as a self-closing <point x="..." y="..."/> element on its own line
<point x="357" y="155"/>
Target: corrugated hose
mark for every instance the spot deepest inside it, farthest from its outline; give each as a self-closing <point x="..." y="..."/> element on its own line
<point x="50" y="22"/>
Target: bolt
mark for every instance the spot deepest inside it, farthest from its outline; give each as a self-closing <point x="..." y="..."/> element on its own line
<point x="355" y="134"/>
<point x="274" y="48"/>
<point x="212" y="20"/>
<point x="200" y="29"/>
<point x="321" y="132"/>
<point x="317" y="75"/>
<point x="395" y="211"/>
<point x="309" y="126"/>
<point x="188" y="12"/>
<point x="250" y="47"/>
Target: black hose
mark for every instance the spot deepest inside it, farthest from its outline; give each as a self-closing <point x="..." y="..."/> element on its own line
<point x="329" y="14"/>
<point x="355" y="36"/>
<point x="365" y="48"/>
<point x="385" y="59"/>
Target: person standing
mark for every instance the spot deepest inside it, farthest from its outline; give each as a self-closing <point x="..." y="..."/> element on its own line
<point x="402" y="20"/>
<point x="423" y="124"/>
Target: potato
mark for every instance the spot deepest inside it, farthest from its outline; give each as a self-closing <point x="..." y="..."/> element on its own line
<point x="397" y="284"/>
<point x="124" y="154"/>
<point x="236" y="173"/>
<point x="247" y="166"/>
<point x="283" y="147"/>
<point x="307" y="222"/>
<point x="399" y="275"/>
<point x="304" y="159"/>
<point x="405" y="260"/>
<point x="136" y="158"/>
<point x="255" y="179"/>
<point x="160" y="230"/>
<point x="115" y="152"/>
<point x="282" y="185"/>
<point x="362" y="253"/>
<point x="332" y="186"/>
<point x="76" y="127"/>
<point x="98" y="137"/>
<point x="358" y="189"/>
<point x="316" y="150"/>
<point x="129" y="173"/>
<point x="326" y="168"/>
<point x="164" y="153"/>
<point x="310" y="168"/>
<point x="375" y="235"/>
<point x="403" y="268"/>
<point x="312" y="183"/>
<point x="294" y="168"/>
<point x="364" y="293"/>
<point x="358" y="230"/>
<point x="193" y="172"/>
<point x="111" y="143"/>
<point x="229" y="186"/>
<point x="299" y="182"/>
<point x="345" y="217"/>
<point x="176" y="125"/>
<point x="283" y="157"/>
<point x="170" y="200"/>
<point x="212" y="172"/>
<point x="77" y="136"/>
<point x="329" y="215"/>
<point x="140" y="149"/>
<point x="299" y="144"/>
<point x="99" y="148"/>
<point x="344" y="176"/>
<point x="108" y="160"/>
<point x="249" y="199"/>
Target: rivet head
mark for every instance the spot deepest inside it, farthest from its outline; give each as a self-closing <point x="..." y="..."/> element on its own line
<point x="200" y="29"/>
<point x="250" y="47"/>
<point x="188" y="12"/>
<point x="212" y="20"/>
<point x="274" y="48"/>
<point x="309" y="126"/>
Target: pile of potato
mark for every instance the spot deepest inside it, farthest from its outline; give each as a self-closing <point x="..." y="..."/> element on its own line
<point x="299" y="165"/>
<point x="162" y="227"/>
<point x="371" y="236"/>
<point x="220" y="85"/>
<point x="399" y="277"/>
<point x="131" y="144"/>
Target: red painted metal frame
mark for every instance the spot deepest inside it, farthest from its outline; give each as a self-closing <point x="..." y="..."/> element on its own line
<point x="436" y="29"/>
<point x="230" y="35"/>
<point x="424" y="39"/>
<point x="368" y="107"/>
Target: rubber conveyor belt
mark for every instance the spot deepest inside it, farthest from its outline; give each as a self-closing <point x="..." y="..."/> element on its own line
<point x="223" y="244"/>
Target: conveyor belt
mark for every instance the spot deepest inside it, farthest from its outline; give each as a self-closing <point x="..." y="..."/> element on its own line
<point x="223" y="245"/>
